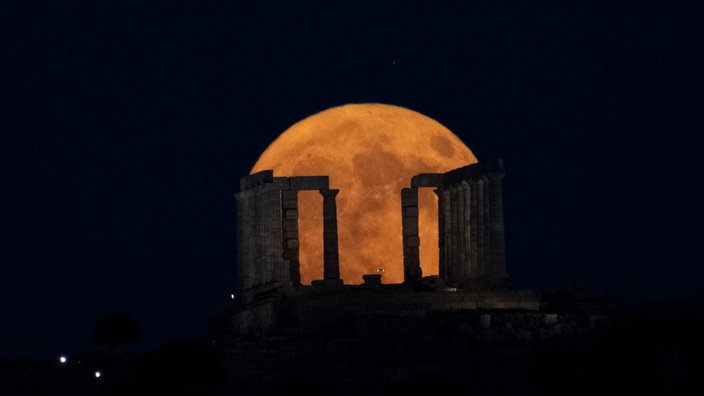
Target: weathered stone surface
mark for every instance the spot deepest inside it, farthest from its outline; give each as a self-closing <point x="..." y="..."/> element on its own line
<point x="410" y="211"/>
<point x="280" y="183"/>
<point x="291" y="214"/>
<point x="256" y="179"/>
<point x="412" y="272"/>
<point x="410" y="230"/>
<point x="331" y="261"/>
<point x="427" y="180"/>
<point x="471" y="233"/>
<point x="471" y="171"/>
<point x="245" y="228"/>
<point x="309" y="183"/>
<point x="291" y="228"/>
<point x="292" y="244"/>
<point x="289" y="199"/>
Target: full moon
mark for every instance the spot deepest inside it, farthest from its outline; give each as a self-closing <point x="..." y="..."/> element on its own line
<point x="370" y="152"/>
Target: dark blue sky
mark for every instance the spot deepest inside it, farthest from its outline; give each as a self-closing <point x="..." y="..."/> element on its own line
<point x="125" y="127"/>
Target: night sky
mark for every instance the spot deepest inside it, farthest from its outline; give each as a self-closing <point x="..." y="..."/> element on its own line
<point x="125" y="127"/>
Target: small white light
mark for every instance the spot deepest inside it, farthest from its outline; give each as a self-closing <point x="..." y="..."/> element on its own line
<point x="97" y="374"/>
<point x="62" y="359"/>
<point x="232" y="296"/>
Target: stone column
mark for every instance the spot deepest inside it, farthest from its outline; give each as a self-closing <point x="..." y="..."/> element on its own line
<point x="245" y="239"/>
<point x="412" y="272"/>
<point x="453" y="257"/>
<point x="442" y="270"/>
<point x="462" y="251"/>
<point x="289" y="209"/>
<point x="483" y="237"/>
<point x="444" y="228"/>
<point x="474" y="241"/>
<point x="276" y="264"/>
<point x="331" y="261"/>
<point x="497" y="247"/>
<point x="267" y="210"/>
<point x="470" y="256"/>
<point x="259" y="235"/>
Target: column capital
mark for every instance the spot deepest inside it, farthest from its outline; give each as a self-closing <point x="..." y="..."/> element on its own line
<point x="329" y="193"/>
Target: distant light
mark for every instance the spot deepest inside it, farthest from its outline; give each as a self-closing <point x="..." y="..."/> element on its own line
<point x="232" y="296"/>
<point x="63" y="359"/>
<point x="97" y="374"/>
<point x="380" y="270"/>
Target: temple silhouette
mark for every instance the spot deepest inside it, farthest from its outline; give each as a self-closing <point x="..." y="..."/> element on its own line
<point x="471" y="231"/>
<point x="323" y="326"/>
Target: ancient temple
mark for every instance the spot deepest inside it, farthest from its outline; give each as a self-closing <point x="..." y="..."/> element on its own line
<point x="470" y="218"/>
<point x="271" y="301"/>
<point x="277" y="325"/>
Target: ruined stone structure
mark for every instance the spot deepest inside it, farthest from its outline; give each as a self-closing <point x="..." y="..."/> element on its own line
<point x="471" y="226"/>
<point x="313" y="327"/>
<point x="281" y="330"/>
<point x="267" y="233"/>
<point x="471" y="231"/>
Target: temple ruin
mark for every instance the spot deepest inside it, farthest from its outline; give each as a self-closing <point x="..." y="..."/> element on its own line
<point x="280" y="328"/>
<point x="315" y="327"/>
<point x="267" y="232"/>
<point x="470" y="221"/>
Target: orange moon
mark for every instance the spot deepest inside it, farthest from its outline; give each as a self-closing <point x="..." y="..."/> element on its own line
<point x="370" y="152"/>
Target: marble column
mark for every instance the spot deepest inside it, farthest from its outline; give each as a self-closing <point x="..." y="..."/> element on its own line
<point x="331" y="261"/>
<point x="279" y="267"/>
<point x="289" y="209"/>
<point x="470" y="253"/>
<point x="246" y="224"/>
<point x="497" y="243"/>
<point x="412" y="272"/>
<point x="444" y="231"/>
<point x="259" y="235"/>
<point x="482" y="227"/>
<point x="453" y="256"/>
<point x="462" y="251"/>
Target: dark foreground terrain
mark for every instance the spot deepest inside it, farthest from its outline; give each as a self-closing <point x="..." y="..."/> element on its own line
<point x="587" y="347"/>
